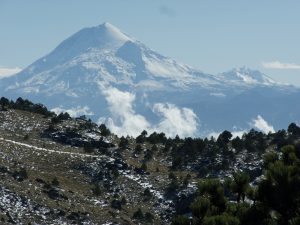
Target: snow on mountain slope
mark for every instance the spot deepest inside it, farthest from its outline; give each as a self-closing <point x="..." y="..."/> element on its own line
<point x="104" y="54"/>
<point x="7" y="72"/>
<point x="247" y="76"/>
<point x="112" y="76"/>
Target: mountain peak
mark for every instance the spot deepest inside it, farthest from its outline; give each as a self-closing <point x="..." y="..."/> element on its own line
<point x="112" y="32"/>
<point x="108" y="26"/>
<point x="243" y="69"/>
<point x="103" y="37"/>
<point x="100" y="37"/>
<point x="248" y="76"/>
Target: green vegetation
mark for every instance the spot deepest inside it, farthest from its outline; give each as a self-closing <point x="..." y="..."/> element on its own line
<point x="275" y="199"/>
<point x="151" y="179"/>
<point x="25" y="105"/>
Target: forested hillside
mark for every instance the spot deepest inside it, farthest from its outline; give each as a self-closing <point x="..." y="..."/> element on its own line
<point x="60" y="170"/>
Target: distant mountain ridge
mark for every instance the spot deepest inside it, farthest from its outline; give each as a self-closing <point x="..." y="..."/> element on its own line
<point x="248" y="76"/>
<point x="96" y="67"/>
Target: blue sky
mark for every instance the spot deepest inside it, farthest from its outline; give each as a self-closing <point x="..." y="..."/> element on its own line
<point x="211" y="35"/>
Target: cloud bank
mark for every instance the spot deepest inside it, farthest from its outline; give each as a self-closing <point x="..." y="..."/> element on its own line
<point x="262" y="125"/>
<point x="7" y="72"/>
<point x="280" y="65"/>
<point x="125" y="121"/>
<point x="175" y="120"/>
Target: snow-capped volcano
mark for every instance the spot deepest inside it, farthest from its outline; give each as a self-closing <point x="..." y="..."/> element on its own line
<point x="105" y="55"/>
<point x="104" y="73"/>
<point x="104" y="37"/>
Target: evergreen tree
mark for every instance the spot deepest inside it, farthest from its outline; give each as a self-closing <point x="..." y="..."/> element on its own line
<point x="239" y="185"/>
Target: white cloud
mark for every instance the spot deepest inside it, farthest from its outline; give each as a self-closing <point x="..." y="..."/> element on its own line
<point x="258" y="123"/>
<point x="280" y="65"/>
<point x="7" y="72"/>
<point x="175" y="120"/>
<point x="74" y="112"/>
<point x="124" y="119"/>
<point x="262" y="125"/>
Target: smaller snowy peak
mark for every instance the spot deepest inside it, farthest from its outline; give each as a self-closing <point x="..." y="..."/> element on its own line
<point x="247" y="76"/>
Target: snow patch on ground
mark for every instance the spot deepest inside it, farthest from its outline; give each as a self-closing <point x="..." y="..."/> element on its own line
<point x="51" y="150"/>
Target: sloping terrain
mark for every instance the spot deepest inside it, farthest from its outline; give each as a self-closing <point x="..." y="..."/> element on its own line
<point x="48" y="182"/>
<point x="58" y="170"/>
